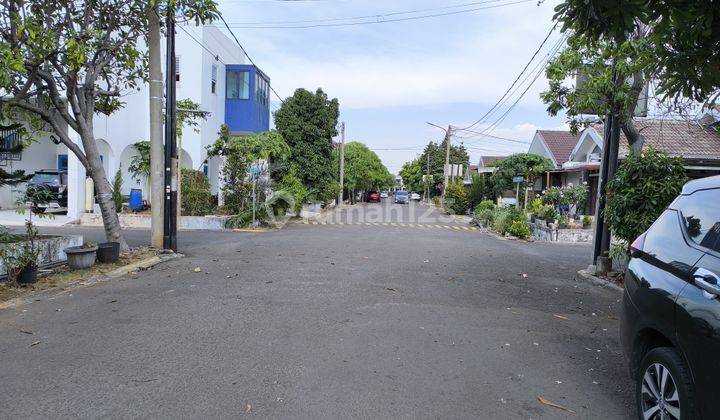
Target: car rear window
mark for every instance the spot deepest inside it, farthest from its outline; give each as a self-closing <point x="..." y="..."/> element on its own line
<point x="664" y="241"/>
<point x="401" y="193"/>
<point x="701" y="217"/>
<point x="48" y="179"/>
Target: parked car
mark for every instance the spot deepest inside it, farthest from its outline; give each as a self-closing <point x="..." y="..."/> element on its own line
<point x="402" y="197"/>
<point x="55" y="183"/>
<point x="373" y="196"/>
<point x="414" y="196"/>
<point x="670" y="325"/>
<point x="384" y="194"/>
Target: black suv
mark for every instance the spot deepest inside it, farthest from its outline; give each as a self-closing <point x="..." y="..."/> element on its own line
<point x="55" y="183"/>
<point x="670" y="324"/>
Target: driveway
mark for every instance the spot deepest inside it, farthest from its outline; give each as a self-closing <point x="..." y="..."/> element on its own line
<point x="326" y="321"/>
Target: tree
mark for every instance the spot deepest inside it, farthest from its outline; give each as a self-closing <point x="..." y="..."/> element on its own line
<point x="307" y="121"/>
<point x="240" y="153"/>
<point x="412" y="175"/>
<point x="527" y="165"/>
<point x="364" y="170"/>
<point x="614" y="75"/>
<point x="684" y="37"/>
<point x="478" y="189"/>
<point x="643" y="187"/>
<point x="63" y="62"/>
<point x="436" y="153"/>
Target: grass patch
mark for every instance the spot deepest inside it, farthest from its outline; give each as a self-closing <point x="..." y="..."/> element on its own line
<point x="62" y="275"/>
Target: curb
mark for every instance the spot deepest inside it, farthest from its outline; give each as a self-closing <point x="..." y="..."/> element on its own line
<point x="99" y="278"/>
<point x="599" y="281"/>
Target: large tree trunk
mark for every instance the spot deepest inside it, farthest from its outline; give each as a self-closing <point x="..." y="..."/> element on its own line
<point x="627" y="125"/>
<point x="95" y="169"/>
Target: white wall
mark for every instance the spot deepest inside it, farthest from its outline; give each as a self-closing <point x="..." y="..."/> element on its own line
<point x="537" y="146"/>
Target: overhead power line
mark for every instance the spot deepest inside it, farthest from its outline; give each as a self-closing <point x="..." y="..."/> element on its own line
<point x="490" y="111"/>
<point x="246" y="53"/>
<point x="364" y="17"/>
<point x="379" y="21"/>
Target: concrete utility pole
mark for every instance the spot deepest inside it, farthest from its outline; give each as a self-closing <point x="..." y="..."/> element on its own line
<point x="156" y="125"/>
<point x="342" y="163"/>
<point x="447" y="168"/>
<point x="171" y="161"/>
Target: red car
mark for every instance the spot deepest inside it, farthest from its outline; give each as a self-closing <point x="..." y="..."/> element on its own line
<point x="373" y="197"/>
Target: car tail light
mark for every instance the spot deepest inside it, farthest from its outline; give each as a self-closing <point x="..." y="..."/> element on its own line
<point x="638" y="245"/>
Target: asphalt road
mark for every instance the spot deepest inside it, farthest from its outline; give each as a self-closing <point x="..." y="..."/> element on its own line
<point x="330" y="321"/>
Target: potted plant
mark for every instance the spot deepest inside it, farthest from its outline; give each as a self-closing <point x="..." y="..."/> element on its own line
<point x="82" y="256"/>
<point x="22" y="265"/>
<point x="108" y="252"/>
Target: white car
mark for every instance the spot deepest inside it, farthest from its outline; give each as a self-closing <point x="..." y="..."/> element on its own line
<point x="384" y="194"/>
<point x="414" y="196"/>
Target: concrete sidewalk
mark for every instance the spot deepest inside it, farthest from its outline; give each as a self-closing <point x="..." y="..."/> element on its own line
<point x="12" y="218"/>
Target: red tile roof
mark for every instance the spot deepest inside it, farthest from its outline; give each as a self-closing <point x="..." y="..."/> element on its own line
<point x="489" y="160"/>
<point x="675" y="137"/>
<point x="560" y="143"/>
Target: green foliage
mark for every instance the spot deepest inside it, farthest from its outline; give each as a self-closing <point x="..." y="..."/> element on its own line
<point x="478" y="189"/>
<point x="643" y="187"/>
<point x="307" y="122"/>
<point x="527" y="165"/>
<point x="587" y="221"/>
<point x="456" y="198"/>
<point x="195" y="195"/>
<point x="485" y="217"/>
<point x="188" y="115"/>
<point x="291" y="184"/>
<point x="139" y="167"/>
<point x="412" y="175"/>
<point x="485" y="205"/>
<point x="600" y="92"/>
<point x="436" y="200"/>
<point x="534" y="207"/>
<point x="519" y="229"/>
<point x="364" y="170"/>
<point x="547" y="213"/>
<point x="240" y="153"/>
<point x="117" y="188"/>
<point x="563" y="221"/>
<point x="503" y="219"/>
<point x="684" y="38"/>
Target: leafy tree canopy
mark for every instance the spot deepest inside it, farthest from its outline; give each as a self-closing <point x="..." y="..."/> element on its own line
<point x="364" y="170"/>
<point x="412" y="175"/>
<point x="684" y="36"/>
<point x="307" y="121"/>
<point x="527" y="165"/>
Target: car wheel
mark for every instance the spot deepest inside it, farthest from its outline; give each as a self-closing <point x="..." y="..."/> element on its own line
<point x="664" y="388"/>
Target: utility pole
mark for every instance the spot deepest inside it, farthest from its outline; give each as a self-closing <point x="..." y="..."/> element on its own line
<point x="156" y="127"/>
<point x="342" y="163"/>
<point x="447" y="168"/>
<point x="170" y="208"/>
<point x="608" y="168"/>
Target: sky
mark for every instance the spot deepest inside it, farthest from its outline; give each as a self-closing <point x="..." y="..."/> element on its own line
<point x="393" y="77"/>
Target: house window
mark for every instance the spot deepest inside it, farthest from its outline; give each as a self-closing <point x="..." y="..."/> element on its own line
<point x="213" y="78"/>
<point x="237" y="84"/>
<point x="177" y="68"/>
<point x="62" y="162"/>
<point x="262" y="87"/>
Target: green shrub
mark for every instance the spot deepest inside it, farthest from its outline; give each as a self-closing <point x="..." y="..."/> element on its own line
<point x="534" y="206"/>
<point x="485" y="205"/>
<point x="520" y="229"/>
<point x="484" y="217"/>
<point x="547" y="213"/>
<point x="587" y="221"/>
<point x="292" y="184"/>
<point x="643" y="187"/>
<point x="117" y="187"/>
<point x="436" y="200"/>
<point x="195" y="193"/>
<point x="456" y="199"/>
<point x="563" y="221"/>
<point x="504" y="218"/>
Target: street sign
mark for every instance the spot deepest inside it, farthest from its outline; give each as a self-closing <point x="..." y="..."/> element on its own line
<point x="518" y="179"/>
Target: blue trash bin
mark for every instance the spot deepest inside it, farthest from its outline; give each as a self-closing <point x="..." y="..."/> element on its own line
<point x="136" y="199"/>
